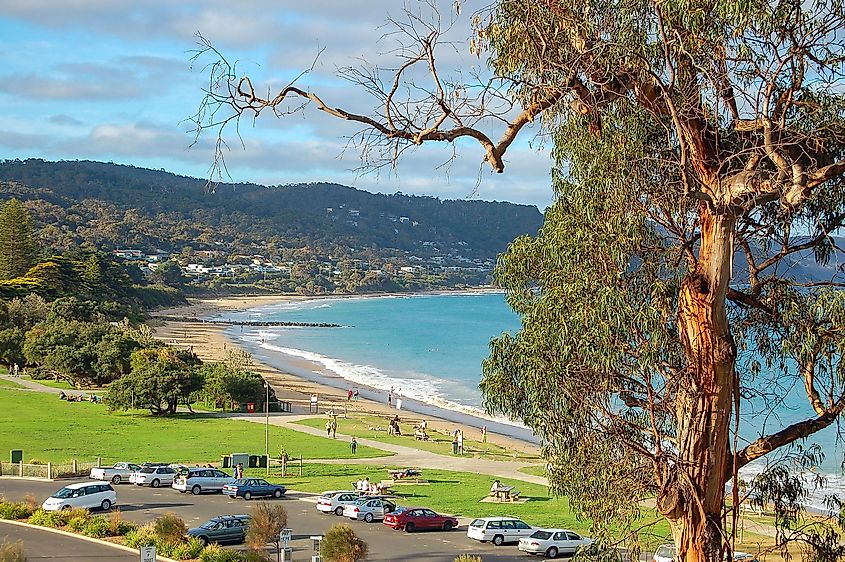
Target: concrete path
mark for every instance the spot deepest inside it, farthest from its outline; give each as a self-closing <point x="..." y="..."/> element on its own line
<point x="27" y="384"/>
<point x="409" y="456"/>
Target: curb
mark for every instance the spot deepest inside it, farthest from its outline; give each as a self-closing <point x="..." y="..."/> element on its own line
<point x="83" y="537"/>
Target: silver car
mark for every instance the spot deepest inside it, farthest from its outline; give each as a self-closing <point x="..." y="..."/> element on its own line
<point x="369" y="509"/>
<point x="553" y="542"/>
<point x="199" y="480"/>
<point x="153" y="476"/>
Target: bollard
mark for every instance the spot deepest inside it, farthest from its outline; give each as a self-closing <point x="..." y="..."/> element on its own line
<point x="49" y="471"/>
<point x="20" y="469"/>
<point x="98" y="462"/>
<point x="74" y="467"/>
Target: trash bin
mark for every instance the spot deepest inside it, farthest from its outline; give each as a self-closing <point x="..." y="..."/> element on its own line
<point x="226" y="461"/>
<point x="250" y="407"/>
<point x="262" y="461"/>
<point x="253" y="461"/>
<point x="16" y="455"/>
<point x="454" y="447"/>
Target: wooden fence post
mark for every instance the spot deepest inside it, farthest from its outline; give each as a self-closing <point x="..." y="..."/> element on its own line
<point x="300" y="466"/>
<point x="20" y="469"/>
<point x="99" y="461"/>
<point x="49" y="471"/>
<point x="74" y="467"/>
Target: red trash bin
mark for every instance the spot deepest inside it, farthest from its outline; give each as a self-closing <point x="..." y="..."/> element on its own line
<point x="250" y="407"/>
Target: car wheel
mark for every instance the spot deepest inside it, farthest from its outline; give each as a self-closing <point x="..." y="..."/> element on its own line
<point x="338" y="511"/>
<point x="247" y="496"/>
<point x="106" y="505"/>
<point x="447" y="526"/>
<point x="64" y="507"/>
<point x="196" y="490"/>
<point x="115" y="479"/>
<point x="204" y="540"/>
<point x="409" y="527"/>
<point x="277" y="493"/>
<point x="155" y="483"/>
<point x="552" y="552"/>
<point x="498" y="540"/>
<point x="368" y="518"/>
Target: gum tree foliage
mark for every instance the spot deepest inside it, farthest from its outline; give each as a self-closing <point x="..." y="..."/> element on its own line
<point x="698" y="149"/>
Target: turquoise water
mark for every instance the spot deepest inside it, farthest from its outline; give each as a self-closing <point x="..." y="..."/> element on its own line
<point x="430" y="348"/>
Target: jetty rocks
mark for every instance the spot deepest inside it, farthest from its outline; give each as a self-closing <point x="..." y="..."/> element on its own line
<point x="245" y="322"/>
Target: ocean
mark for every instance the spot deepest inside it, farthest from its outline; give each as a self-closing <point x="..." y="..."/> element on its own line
<point x="428" y="349"/>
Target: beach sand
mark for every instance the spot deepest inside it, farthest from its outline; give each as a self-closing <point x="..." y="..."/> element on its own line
<point x="210" y="343"/>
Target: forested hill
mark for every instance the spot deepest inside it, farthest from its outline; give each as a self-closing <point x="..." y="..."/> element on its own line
<point x="155" y="209"/>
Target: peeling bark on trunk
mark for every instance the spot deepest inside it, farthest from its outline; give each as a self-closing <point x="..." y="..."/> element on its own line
<point x="692" y="490"/>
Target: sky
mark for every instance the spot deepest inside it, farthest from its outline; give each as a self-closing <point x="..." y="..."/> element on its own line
<point x="113" y="80"/>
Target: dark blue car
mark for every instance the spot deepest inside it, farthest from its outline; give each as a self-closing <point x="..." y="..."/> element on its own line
<point x="248" y="488"/>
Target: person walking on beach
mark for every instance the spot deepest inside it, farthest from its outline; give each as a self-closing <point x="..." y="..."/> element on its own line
<point x="354" y="445"/>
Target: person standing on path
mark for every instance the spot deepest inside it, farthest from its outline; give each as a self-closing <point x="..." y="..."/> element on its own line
<point x="349" y="395"/>
<point x="354" y="445"/>
<point x="484" y="434"/>
<point x="328" y="428"/>
<point x="334" y="429"/>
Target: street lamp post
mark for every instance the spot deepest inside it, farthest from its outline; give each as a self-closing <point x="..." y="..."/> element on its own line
<point x="267" y="428"/>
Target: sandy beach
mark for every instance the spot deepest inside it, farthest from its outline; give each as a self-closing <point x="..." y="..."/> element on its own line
<point x="210" y="343"/>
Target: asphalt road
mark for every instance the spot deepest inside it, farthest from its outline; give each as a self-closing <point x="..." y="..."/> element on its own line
<point x="44" y="545"/>
<point x="145" y="504"/>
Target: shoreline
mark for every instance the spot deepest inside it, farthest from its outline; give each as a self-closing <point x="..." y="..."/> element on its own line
<point x="295" y="378"/>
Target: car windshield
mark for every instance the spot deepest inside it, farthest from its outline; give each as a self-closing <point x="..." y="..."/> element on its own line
<point x="665" y="551"/>
<point x="64" y="493"/>
<point x="210" y="525"/>
<point x="477" y="523"/>
<point x="241" y="482"/>
<point x="542" y="535"/>
<point x="361" y="502"/>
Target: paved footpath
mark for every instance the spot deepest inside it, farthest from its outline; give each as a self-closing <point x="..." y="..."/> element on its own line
<point x="403" y="456"/>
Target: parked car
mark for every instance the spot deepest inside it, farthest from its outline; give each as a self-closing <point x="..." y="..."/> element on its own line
<point x="336" y="500"/>
<point x="154" y="476"/>
<point x="668" y="552"/>
<point x="248" y="488"/>
<point x="90" y="495"/>
<point x="419" y="518"/>
<point x="552" y="542"/>
<point x="118" y="473"/>
<point x="223" y="529"/>
<point x="499" y="530"/>
<point x="199" y="480"/>
<point x="369" y="509"/>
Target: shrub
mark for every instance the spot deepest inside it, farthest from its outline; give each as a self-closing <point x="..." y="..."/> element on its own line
<point x="170" y="528"/>
<point x="14" y="510"/>
<point x="36" y="461"/>
<point x="265" y="524"/>
<point x="12" y="552"/>
<point x="141" y="536"/>
<point x="468" y="558"/>
<point x="77" y="524"/>
<point x="31" y="501"/>
<point x="342" y="545"/>
<point x="211" y="553"/>
<point x="46" y="518"/>
<point x="97" y="527"/>
<point x="117" y="526"/>
<point x="187" y="550"/>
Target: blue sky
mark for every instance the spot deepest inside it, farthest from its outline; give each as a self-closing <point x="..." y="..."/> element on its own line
<point x="112" y="80"/>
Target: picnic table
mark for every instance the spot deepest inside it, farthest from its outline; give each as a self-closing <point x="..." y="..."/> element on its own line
<point x="505" y="493"/>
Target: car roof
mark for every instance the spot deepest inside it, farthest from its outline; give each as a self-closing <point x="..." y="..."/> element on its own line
<point x="557" y="530"/>
<point x="335" y="492"/>
<point x="77" y="485"/>
<point x="502" y="518"/>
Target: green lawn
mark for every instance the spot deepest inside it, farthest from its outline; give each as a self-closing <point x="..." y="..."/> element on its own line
<point x="375" y="427"/>
<point x="7" y="383"/>
<point x="49" y="429"/>
<point x="64" y="385"/>
<point x="539" y="470"/>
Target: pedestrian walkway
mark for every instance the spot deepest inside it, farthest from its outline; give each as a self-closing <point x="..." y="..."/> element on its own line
<point x="28" y="384"/>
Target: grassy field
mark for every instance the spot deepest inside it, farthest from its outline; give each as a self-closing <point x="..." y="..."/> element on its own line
<point x="375" y="427"/>
<point x="49" y="429"/>
<point x="539" y="470"/>
<point x="64" y="385"/>
<point x="6" y="383"/>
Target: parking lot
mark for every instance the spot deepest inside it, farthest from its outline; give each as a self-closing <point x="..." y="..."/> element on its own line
<point x="146" y="504"/>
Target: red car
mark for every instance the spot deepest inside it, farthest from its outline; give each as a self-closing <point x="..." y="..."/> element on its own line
<point x="419" y="518"/>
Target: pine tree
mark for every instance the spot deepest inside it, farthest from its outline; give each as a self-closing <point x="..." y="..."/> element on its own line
<point x="18" y="244"/>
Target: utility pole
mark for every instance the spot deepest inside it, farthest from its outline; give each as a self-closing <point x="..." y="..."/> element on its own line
<point x="267" y="427"/>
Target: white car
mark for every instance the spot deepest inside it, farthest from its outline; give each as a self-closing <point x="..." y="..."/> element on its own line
<point x="90" y="495"/>
<point x="552" y="542"/>
<point x="335" y="500"/>
<point x="499" y="530"/>
<point x="667" y="553"/>
<point x="369" y="509"/>
<point x="154" y="476"/>
<point x="199" y="480"/>
<point x="118" y="473"/>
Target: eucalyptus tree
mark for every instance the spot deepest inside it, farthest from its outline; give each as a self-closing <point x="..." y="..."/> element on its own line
<point x="698" y="158"/>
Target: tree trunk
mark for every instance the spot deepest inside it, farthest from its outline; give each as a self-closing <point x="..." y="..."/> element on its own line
<point x="692" y="489"/>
